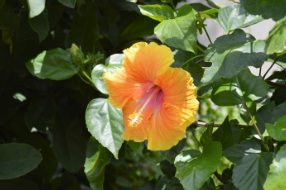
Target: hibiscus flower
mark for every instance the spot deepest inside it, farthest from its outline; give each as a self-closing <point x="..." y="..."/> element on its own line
<point x="158" y="102"/>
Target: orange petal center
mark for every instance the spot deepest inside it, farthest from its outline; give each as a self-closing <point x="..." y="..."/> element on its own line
<point x="136" y="118"/>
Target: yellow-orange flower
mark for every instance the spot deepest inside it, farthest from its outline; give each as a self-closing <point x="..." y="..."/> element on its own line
<point x="158" y="102"/>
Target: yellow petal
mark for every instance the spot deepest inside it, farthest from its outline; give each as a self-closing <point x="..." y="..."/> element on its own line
<point x="145" y="61"/>
<point x="177" y="110"/>
<point x="123" y="88"/>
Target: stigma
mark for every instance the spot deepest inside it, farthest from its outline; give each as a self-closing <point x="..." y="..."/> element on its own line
<point x="135" y="119"/>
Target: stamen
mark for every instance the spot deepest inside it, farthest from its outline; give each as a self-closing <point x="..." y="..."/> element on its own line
<point x="135" y="119"/>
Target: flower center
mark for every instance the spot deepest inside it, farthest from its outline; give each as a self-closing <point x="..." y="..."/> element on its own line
<point x="136" y="118"/>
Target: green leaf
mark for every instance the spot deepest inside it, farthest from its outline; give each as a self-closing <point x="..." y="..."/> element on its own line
<point x="40" y="25"/>
<point x="196" y="72"/>
<point x="237" y="152"/>
<point x="243" y="87"/>
<point x="174" y="184"/>
<point x="243" y="112"/>
<point x="231" y="53"/>
<point x="68" y="3"/>
<point x="167" y="168"/>
<point x="276" y="177"/>
<point x="69" y="145"/>
<point x="268" y="114"/>
<point x="180" y="32"/>
<point x="19" y="184"/>
<point x="17" y="159"/>
<point x="229" y="186"/>
<point x="111" y="64"/>
<point x="207" y="136"/>
<point x="134" y="146"/>
<point x="157" y="12"/>
<point x="171" y="154"/>
<point x="276" y="42"/>
<point x="8" y="19"/>
<point x="105" y="123"/>
<point x="266" y="8"/>
<point x="40" y="113"/>
<point x="140" y="26"/>
<point x="235" y="17"/>
<point x="2" y="2"/>
<point x="84" y="32"/>
<point x="97" y="157"/>
<point x="194" y="168"/>
<point x="224" y="135"/>
<point x="36" y="7"/>
<point x="278" y="130"/>
<point x="251" y="171"/>
<point x="55" y="64"/>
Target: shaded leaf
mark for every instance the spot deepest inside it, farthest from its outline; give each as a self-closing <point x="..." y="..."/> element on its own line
<point x="140" y="26"/>
<point x="243" y="112"/>
<point x="237" y="152"/>
<point x="167" y="168"/>
<point x="68" y="3"/>
<point x="40" y="113"/>
<point x="224" y="135"/>
<point x="134" y="146"/>
<point x="276" y="177"/>
<point x="157" y="12"/>
<point x="19" y="184"/>
<point x="276" y="42"/>
<point x="8" y="19"/>
<point x="17" y="159"/>
<point x="174" y="151"/>
<point x="243" y="87"/>
<point x="180" y="32"/>
<point x="278" y="130"/>
<point x="267" y="9"/>
<point x="235" y="17"/>
<point x="40" y="25"/>
<point x="194" y="168"/>
<point x="84" y="32"/>
<point x="251" y="171"/>
<point x="231" y="53"/>
<point x="97" y="157"/>
<point x="55" y="64"/>
<point x="69" y="145"/>
<point x="105" y="123"/>
<point x="207" y="136"/>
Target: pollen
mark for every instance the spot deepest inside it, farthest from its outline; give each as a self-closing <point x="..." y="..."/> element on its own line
<point x="135" y="119"/>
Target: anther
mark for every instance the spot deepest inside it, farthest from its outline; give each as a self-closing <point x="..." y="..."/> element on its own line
<point x="135" y="119"/>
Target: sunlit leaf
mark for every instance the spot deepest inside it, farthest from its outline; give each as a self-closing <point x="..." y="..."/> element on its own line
<point x="243" y="87"/>
<point x="235" y="17"/>
<point x="157" y="12"/>
<point x="278" y="130"/>
<point x="276" y="42"/>
<point x="194" y="168"/>
<point x="36" y="7"/>
<point x="180" y="32"/>
<point x="231" y="53"/>
<point x="105" y="123"/>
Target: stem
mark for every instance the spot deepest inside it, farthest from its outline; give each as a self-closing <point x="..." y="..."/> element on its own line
<point x="201" y="50"/>
<point x="193" y="132"/>
<point x="215" y="125"/>
<point x="275" y="84"/>
<point x="83" y="79"/>
<point x="271" y="66"/>
<point x="261" y="137"/>
<point x="191" y="60"/>
<point x="207" y="34"/>
<point x="174" y="7"/>
<point x="86" y="76"/>
<point x="218" y="176"/>
<point x="260" y="71"/>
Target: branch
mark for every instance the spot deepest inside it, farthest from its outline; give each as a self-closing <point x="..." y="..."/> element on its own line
<point x="215" y="125"/>
<point x="275" y="84"/>
<point x="218" y="176"/>
<point x="271" y="66"/>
